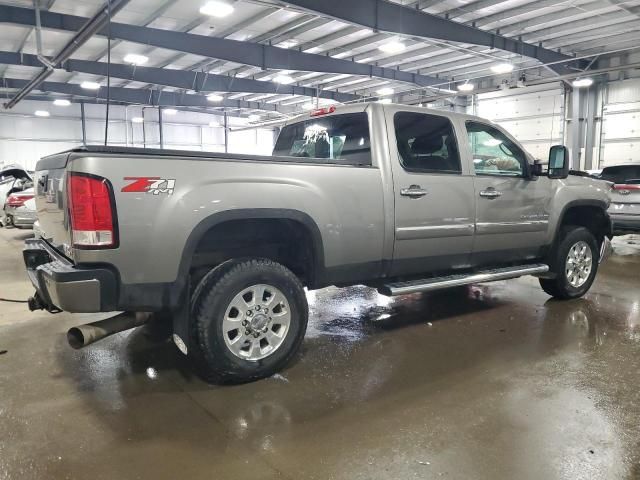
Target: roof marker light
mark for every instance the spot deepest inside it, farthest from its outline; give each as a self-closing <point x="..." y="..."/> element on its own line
<point x="323" y="111"/>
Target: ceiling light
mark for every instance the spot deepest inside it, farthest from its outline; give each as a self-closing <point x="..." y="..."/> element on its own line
<point x="41" y="113"/>
<point x="385" y="100"/>
<point x="90" y="85"/>
<point x="217" y="9"/>
<point x="137" y="119"/>
<point x="393" y="46"/>
<point x="466" y="87"/>
<point x="135" y="59"/>
<point x="169" y="111"/>
<point x="385" y="91"/>
<point x="61" y="102"/>
<point x="214" y="97"/>
<point x="254" y="118"/>
<point x="288" y="44"/>
<point x="283" y="79"/>
<point x="502" y="68"/>
<point x="582" y="82"/>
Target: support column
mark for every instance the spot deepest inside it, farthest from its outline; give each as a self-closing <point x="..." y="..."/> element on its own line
<point x="590" y="129"/>
<point x="84" y="124"/>
<point x="575" y="129"/>
<point x="226" y="133"/>
<point x="160" y="127"/>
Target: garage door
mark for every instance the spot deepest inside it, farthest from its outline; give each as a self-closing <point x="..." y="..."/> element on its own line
<point x="534" y="115"/>
<point x="621" y="124"/>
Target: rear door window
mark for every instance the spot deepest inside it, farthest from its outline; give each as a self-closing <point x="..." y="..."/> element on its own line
<point x="341" y="138"/>
<point x="426" y="143"/>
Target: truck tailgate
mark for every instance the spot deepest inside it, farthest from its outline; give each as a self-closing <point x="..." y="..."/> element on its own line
<point x="51" y="203"/>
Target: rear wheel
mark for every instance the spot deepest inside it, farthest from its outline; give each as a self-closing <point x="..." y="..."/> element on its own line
<point x="575" y="264"/>
<point x="249" y="319"/>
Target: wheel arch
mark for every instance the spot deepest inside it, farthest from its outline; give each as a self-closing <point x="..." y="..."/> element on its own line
<point x="296" y="217"/>
<point x="581" y="213"/>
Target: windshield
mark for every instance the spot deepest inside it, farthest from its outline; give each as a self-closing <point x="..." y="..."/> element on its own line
<point x="343" y="138"/>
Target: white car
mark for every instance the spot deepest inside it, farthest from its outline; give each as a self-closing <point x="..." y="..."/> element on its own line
<point x="20" y="209"/>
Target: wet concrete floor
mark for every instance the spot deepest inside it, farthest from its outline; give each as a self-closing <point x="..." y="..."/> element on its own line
<point x="493" y="381"/>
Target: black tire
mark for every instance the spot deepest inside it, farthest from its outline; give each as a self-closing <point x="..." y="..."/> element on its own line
<point x="560" y="287"/>
<point x="211" y="298"/>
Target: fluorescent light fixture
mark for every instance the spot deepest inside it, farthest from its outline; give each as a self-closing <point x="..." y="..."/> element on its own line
<point x="214" y="97"/>
<point x="385" y="100"/>
<point x="135" y="59"/>
<point x="41" y="113"/>
<point x="61" y="102"/>
<point x="466" y="87"/>
<point x="287" y="44"/>
<point x="385" y="91"/>
<point x="392" y="46"/>
<point x="491" y="142"/>
<point x="137" y="119"/>
<point x="216" y="8"/>
<point x="90" y="85"/>
<point x="502" y="68"/>
<point x="169" y="111"/>
<point x="582" y="82"/>
<point x="254" y="117"/>
<point x="283" y="79"/>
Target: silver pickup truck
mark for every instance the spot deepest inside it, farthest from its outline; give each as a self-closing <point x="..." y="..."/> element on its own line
<point x="402" y="199"/>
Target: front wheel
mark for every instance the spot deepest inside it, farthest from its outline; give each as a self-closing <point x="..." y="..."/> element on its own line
<point x="574" y="263"/>
<point x="249" y="319"/>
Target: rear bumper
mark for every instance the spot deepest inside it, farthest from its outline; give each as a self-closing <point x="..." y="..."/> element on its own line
<point x="623" y="224"/>
<point x="21" y="216"/>
<point x="61" y="285"/>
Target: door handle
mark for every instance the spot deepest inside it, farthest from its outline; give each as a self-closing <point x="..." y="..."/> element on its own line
<point x="490" y="193"/>
<point x="414" y="191"/>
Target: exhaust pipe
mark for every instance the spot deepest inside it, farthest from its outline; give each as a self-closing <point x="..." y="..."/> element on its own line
<point x="83" y="335"/>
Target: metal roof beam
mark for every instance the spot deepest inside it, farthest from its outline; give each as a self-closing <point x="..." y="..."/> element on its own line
<point x="188" y="80"/>
<point x="262" y="56"/>
<point x="144" y="97"/>
<point x="390" y="17"/>
<point x="81" y="35"/>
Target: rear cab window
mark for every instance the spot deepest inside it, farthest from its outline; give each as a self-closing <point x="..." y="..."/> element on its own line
<point x="342" y="139"/>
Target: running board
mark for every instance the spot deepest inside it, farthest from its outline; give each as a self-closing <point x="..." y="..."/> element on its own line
<point x="437" y="283"/>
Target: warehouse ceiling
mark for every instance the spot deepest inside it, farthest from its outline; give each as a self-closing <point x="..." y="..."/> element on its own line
<point x="272" y="58"/>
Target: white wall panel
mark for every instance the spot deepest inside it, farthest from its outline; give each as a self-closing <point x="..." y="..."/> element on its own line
<point x="24" y="138"/>
<point x="621" y="124"/>
<point x="533" y="115"/>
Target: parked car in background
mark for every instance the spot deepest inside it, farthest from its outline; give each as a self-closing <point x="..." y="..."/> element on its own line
<point x="13" y="179"/>
<point x="20" y="209"/>
<point x="625" y="197"/>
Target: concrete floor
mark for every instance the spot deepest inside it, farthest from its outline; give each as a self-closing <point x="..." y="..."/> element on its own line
<point x="489" y="382"/>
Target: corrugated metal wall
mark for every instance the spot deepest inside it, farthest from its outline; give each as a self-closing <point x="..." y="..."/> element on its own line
<point x="534" y="115"/>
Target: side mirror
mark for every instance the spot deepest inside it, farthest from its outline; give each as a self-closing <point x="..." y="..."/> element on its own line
<point x="558" y="162"/>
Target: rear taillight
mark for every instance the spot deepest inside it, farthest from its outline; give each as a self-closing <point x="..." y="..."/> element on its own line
<point x="92" y="211"/>
<point x="18" y="200"/>
<point x="622" y="186"/>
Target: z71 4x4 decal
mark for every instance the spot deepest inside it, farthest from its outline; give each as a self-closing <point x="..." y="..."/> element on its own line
<point x="153" y="185"/>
